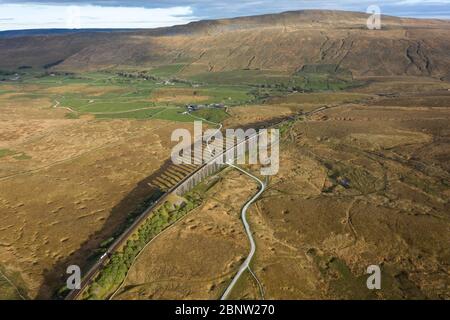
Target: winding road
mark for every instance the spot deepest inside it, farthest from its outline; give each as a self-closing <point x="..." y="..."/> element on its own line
<point x="246" y="265"/>
<point x="89" y="277"/>
<point x="214" y="123"/>
<point x="248" y="260"/>
<point x="57" y="105"/>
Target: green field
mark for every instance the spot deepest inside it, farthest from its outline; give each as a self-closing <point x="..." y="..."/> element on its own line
<point x="110" y="277"/>
<point x="112" y="106"/>
<point x="144" y="95"/>
<point x="167" y="70"/>
<point x="229" y="95"/>
<point x="174" y="115"/>
<point x="245" y="77"/>
<point x="308" y="79"/>
<point x="140" y="114"/>
<point x="213" y="115"/>
<point x="128" y="94"/>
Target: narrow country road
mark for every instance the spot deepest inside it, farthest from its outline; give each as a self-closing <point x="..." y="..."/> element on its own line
<point x="246" y="264"/>
<point x="88" y="278"/>
<point x="214" y="123"/>
<point x="57" y="105"/>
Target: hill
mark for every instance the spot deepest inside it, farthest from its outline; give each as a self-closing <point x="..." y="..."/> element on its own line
<point x="286" y="42"/>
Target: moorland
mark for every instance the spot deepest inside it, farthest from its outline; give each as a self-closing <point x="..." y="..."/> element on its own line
<point x="86" y="120"/>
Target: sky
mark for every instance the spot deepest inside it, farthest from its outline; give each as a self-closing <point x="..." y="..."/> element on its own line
<point x="33" y="14"/>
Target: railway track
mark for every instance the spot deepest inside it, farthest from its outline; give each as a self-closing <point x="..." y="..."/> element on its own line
<point x="90" y="276"/>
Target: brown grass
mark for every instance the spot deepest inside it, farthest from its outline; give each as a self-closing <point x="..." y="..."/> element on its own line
<point x="178" y="95"/>
<point x="197" y="258"/>
<point x="66" y="195"/>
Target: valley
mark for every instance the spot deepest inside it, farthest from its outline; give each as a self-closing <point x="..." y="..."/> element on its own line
<point x="85" y="145"/>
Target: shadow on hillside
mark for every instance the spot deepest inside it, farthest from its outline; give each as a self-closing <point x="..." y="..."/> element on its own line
<point x="136" y="201"/>
<point x="87" y="254"/>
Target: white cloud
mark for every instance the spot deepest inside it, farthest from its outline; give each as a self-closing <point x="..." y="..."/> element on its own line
<point x="421" y="2"/>
<point x="29" y="14"/>
<point x="32" y="16"/>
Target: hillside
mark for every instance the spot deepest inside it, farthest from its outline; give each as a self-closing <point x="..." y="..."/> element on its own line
<point x="284" y="42"/>
<point x="364" y="159"/>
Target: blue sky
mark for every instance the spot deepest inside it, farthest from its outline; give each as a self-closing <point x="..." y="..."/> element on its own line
<point x="29" y="14"/>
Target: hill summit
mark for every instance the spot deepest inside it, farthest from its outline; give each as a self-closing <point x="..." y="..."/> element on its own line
<point x="286" y="42"/>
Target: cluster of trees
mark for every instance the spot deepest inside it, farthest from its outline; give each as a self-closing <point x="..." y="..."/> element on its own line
<point x="145" y="75"/>
<point x="183" y="81"/>
<point x="70" y="75"/>
<point x="137" y="75"/>
<point x="308" y="84"/>
<point x="52" y="64"/>
<point x="6" y="73"/>
<point x="115" y="271"/>
<point x="282" y="86"/>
